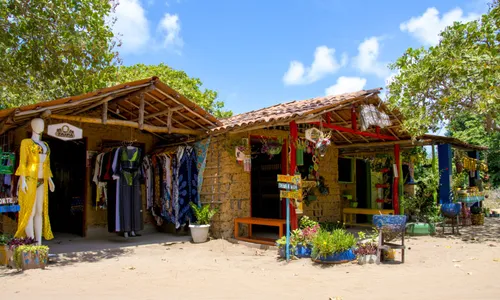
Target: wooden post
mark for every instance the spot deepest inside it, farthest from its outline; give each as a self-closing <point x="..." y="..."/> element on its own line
<point x="354" y="121"/>
<point x="141" y="112"/>
<point x="395" y="186"/>
<point x="169" y="119"/>
<point x="104" y="112"/>
<point x="293" y="147"/>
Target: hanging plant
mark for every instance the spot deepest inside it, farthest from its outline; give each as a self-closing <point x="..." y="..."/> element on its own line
<point x="272" y="147"/>
<point x="231" y="145"/>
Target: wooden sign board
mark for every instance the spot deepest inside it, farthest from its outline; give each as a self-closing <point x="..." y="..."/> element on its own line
<point x="291" y="194"/>
<point x="65" y="131"/>
<point x="287" y="186"/>
<point x="290" y="179"/>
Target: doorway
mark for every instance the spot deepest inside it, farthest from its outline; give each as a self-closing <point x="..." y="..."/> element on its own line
<point x="67" y="203"/>
<point x="363" y="189"/>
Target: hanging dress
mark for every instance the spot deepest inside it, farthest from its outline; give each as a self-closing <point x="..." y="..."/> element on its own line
<point x="188" y="185"/>
<point x="130" y="202"/>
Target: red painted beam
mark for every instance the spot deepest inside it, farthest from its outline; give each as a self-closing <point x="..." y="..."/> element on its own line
<point x="395" y="186"/>
<point x="358" y="132"/>
<point x="294" y="133"/>
<point x="354" y="120"/>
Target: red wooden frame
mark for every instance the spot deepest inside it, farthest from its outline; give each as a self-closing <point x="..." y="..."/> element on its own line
<point x="357" y="132"/>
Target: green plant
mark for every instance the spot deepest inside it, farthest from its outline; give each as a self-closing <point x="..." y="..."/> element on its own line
<point x="281" y="242"/>
<point x="41" y="251"/>
<point x="203" y="214"/>
<point x="326" y="243"/>
<point x="330" y="226"/>
<point x="305" y="221"/>
<point x="5" y="239"/>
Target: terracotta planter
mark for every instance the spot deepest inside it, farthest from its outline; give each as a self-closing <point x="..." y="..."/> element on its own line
<point x="5" y="255"/>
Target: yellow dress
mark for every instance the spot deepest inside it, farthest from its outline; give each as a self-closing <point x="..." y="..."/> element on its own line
<point x="29" y="161"/>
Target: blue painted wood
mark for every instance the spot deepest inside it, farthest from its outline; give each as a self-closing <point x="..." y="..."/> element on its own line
<point x="9" y="208"/>
<point x="444" y="160"/>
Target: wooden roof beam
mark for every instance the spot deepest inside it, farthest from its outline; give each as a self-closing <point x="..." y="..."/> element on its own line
<point x="384" y="144"/>
<point x="147" y="127"/>
<point x="346" y="123"/>
<point x="186" y="107"/>
<point x="356" y="132"/>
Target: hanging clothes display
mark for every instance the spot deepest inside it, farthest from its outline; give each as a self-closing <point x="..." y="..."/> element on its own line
<point x="129" y="208"/>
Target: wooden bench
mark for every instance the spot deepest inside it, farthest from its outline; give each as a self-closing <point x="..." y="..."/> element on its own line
<point x="352" y="212"/>
<point x="280" y="223"/>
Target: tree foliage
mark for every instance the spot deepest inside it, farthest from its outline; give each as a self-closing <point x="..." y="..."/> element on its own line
<point x="54" y="48"/>
<point x="188" y="86"/>
<point x="468" y="127"/>
<point x="461" y="74"/>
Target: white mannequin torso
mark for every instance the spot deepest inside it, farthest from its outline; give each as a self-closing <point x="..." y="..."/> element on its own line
<point x="43" y="155"/>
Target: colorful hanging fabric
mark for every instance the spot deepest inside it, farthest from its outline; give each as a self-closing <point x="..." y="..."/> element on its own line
<point x="201" y="149"/>
<point x="188" y="186"/>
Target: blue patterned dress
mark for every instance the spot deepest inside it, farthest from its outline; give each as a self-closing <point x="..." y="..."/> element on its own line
<point x="187" y="181"/>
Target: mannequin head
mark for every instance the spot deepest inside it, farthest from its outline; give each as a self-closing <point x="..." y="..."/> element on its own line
<point x="37" y="125"/>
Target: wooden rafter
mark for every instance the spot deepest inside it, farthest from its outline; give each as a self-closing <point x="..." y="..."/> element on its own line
<point x="147" y="127"/>
<point x="141" y="111"/>
<point x="187" y="108"/>
<point x="346" y="123"/>
<point x="356" y="132"/>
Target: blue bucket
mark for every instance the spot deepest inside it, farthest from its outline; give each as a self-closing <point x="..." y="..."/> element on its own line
<point x="336" y="258"/>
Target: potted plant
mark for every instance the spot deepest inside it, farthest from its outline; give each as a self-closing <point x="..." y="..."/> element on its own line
<point x="333" y="247"/>
<point x="5" y="253"/>
<point x="303" y="240"/>
<point x="477" y="218"/>
<point x="281" y="244"/>
<point x="366" y="250"/>
<point x="31" y="257"/>
<point x="199" y="229"/>
<point x="13" y="245"/>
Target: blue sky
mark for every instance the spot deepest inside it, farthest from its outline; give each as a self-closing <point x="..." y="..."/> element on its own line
<point x="260" y="53"/>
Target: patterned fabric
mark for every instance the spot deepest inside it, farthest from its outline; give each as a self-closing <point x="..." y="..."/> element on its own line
<point x="201" y="148"/>
<point x="188" y="186"/>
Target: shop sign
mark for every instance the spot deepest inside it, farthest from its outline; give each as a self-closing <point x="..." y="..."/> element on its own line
<point x="65" y="131"/>
<point x="290" y="179"/>
<point x="291" y="194"/>
<point x="287" y="186"/>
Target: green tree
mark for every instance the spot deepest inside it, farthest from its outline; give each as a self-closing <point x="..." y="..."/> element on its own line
<point x="460" y="74"/>
<point x="54" y="48"/>
<point x="468" y="127"/>
<point x="178" y="80"/>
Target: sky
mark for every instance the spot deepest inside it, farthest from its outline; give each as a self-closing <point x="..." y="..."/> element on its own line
<point x="258" y="53"/>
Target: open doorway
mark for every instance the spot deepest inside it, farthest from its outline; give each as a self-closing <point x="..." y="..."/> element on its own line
<point x="265" y="202"/>
<point x="363" y="190"/>
<point x="67" y="204"/>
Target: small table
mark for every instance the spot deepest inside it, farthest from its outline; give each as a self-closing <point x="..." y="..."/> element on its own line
<point x="362" y="211"/>
<point x="280" y="223"/>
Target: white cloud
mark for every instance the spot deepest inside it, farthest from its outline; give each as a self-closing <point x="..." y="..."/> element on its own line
<point x="426" y="28"/>
<point x="367" y="60"/>
<point x="324" y="63"/>
<point x="132" y="26"/>
<point x="346" y="85"/>
<point x="170" y="28"/>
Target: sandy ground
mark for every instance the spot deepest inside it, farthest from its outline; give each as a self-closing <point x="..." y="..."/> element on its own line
<point x="440" y="267"/>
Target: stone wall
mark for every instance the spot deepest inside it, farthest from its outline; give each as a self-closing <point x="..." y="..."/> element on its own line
<point x="95" y="133"/>
<point x="234" y="199"/>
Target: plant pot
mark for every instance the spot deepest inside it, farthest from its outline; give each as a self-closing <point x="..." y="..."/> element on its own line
<point x="281" y="251"/>
<point x="451" y="210"/>
<point x="300" y="157"/>
<point x="419" y="229"/>
<point x="5" y="255"/>
<point x="367" y="259"/>
<point x="336" y="258"/>
<point x="32" y="260"/>
<point x="302" y="251"/>
<point x="477" y="219"/>
<point x="199" y="233"/>
<point x="354" y="204"/>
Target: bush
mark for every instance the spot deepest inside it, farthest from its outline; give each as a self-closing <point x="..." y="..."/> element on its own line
<point x="306" y="222"/>
<point x="331" y="226"/>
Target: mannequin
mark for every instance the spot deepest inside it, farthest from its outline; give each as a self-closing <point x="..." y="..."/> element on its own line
<point x="35" y="179"/>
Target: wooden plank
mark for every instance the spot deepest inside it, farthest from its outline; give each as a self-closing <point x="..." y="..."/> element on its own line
<point x="104" y="112"/>
<point x="383" y="144"/>
<point x="105" y="100"/>
<point x="141" y="112"/>
<point x="291" y="194"/>
<point x="147" y="127"/>
<point x="356" y="132"/>
<point x="289" y="179"/>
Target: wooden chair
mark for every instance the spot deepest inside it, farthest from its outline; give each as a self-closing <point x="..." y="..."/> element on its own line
<point x="383" y="245"/>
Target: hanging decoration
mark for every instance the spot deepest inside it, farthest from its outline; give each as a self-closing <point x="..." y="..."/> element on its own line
<point x="272" y="147"/>
<point x="371" y="116"/>
<point x="300" y="148"/>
